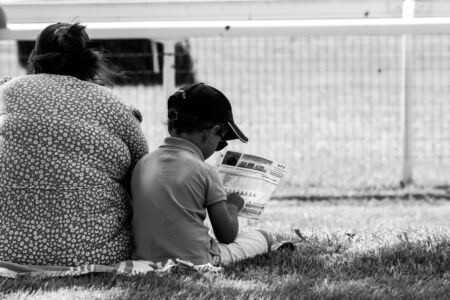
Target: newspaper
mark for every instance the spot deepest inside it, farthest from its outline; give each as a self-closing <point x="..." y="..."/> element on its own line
<point x="254" y="178"/>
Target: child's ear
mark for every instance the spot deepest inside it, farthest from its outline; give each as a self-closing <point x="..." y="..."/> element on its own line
<point x="206" y="133"/>
<point x="216" y="129"/>
<point x="210" y="131"/>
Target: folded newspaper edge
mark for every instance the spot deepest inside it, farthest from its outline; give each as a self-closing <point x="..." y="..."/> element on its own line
<point x="253" y="177"/>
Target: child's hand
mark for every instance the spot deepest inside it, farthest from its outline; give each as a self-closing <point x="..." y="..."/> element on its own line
<point x="236" y="201"/>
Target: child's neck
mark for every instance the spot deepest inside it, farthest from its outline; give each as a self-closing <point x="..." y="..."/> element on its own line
<point x="195" y="138"/>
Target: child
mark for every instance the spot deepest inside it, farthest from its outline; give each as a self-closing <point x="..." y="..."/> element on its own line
<point x="173" y="188"/>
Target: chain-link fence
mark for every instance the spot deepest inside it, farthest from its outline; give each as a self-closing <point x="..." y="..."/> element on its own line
<point x="329" y="107"/>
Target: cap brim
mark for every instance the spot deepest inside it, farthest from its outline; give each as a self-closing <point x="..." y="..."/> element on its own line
<point x="235" y="133"/>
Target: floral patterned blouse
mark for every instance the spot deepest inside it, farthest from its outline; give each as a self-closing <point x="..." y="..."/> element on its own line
<point x="67" y="147"/>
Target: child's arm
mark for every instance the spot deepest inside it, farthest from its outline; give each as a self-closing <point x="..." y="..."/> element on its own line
<point x="223" y="217"/>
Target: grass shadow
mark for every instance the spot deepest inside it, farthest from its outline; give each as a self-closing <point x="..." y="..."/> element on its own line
<point x="318" y="268"/>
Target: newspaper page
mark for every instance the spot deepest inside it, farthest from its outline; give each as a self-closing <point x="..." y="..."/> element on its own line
<point x="254" y="178"/>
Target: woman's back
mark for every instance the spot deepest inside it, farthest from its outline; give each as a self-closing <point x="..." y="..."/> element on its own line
<point x="66" y="148"/>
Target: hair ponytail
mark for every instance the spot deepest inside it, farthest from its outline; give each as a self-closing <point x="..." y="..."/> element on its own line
<point x="64" y="49"/>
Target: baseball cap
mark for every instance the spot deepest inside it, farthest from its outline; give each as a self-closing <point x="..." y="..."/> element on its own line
<point x="205" y="103"/>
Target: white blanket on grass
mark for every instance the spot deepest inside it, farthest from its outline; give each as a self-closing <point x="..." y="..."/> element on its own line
<point x="130" y="267"/>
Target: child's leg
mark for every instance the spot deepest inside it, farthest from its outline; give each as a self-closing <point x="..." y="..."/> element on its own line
<point x="247" y="244"/>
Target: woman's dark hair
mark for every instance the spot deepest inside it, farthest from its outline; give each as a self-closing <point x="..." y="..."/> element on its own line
<point x="63" y="49"/>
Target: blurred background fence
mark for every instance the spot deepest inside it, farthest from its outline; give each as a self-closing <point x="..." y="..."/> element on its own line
<point x="330" y="106"/>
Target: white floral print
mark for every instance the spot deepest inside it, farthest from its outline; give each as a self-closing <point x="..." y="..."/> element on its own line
<point x="66" y="149"/>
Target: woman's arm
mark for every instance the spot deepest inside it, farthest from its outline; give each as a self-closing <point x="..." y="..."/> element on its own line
<point x="137" y="144"/>
<point x="127" y="125"/>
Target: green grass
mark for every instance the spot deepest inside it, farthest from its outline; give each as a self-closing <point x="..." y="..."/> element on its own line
<point x="350" y="249"/>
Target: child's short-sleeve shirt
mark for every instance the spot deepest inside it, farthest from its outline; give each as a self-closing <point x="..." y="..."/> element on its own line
<point x="172" y="187"/>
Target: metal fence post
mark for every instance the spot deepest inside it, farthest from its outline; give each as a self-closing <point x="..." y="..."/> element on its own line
<point x="406" y="60"/>
<point x="3" y="20"/>
<point x="169" y="68"/>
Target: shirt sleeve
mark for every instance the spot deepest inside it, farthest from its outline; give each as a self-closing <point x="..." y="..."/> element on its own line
<point x="215" y="191"/>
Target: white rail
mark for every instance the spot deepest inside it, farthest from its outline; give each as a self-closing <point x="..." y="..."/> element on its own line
<point x="175" y="10"/>
<point x="49" y="11"/>
<point x="207" y="18"/>
<point x="185" y="29"/>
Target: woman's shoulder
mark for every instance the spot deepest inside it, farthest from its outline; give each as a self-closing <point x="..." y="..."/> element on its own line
<point x="37" y="79"/>
<point x="4" y="80"/>
<point x="107" y="96"/>
<point x="103" y="92"/>
<point x="11" y="81"/>
<point x="16" y="82"/>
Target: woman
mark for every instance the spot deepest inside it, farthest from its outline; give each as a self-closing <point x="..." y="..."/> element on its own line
<point x="67" y="148"/>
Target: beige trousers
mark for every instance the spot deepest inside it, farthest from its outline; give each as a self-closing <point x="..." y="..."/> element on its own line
<point x="247" y="244"/>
